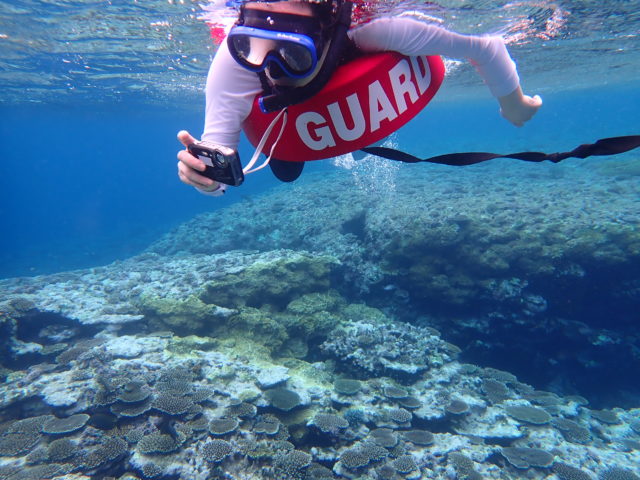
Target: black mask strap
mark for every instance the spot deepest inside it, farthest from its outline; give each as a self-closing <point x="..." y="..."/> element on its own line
<point x="280" y="22"/>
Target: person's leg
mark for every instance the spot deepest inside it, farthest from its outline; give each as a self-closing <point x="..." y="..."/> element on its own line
<point x="286" y="171"/>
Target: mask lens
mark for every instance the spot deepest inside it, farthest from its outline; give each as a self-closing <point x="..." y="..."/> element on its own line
<point x="241" y="46"/>
<point x="251" y="51"/>
<point x="297" y="58"/>
<point x="254" y="48"/>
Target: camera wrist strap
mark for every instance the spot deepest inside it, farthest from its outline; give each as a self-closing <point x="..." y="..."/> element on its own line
<point x="263" y="140"/>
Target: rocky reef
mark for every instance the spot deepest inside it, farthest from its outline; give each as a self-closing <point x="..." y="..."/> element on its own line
<point x="503" y="257"/>
<point x="252" y="365"/>
<point x="512" y="240"/>
<point x="356" y="336"/>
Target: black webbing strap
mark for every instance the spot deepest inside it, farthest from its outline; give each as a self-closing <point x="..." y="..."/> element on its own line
<point x="604" y="146"/>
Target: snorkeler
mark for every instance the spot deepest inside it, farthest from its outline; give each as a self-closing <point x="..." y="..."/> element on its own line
<point x="285" y="51"/>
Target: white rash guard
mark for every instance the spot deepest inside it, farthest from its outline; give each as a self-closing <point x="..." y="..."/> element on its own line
<point x="231" y="88"/>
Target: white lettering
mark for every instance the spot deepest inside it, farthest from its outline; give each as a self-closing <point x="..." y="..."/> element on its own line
<point x="321" y="132"/>
<point x="317" y="130"/>
<point x="401" y="83"/>
<point x="380" y="107"/>
<point x="359" y="124"/>
<point x="422" y="80"/>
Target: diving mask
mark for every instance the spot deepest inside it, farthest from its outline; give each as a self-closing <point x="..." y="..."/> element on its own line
<point x="293" y="42"/>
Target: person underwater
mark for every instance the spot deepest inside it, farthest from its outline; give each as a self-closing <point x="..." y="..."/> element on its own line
<point x="284" y="52"/>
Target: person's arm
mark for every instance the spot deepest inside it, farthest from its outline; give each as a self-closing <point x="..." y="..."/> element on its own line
<point x="487" y="53"/>
<point x="230" y="92"/>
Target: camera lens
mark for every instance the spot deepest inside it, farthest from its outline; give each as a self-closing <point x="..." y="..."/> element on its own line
<point x="220" y="159"/>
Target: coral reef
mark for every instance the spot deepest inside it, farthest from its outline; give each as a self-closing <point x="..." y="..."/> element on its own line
<point x="400" y="350"/>
<point x="208" y="412"/>
<point x="528" y="414"/>
<point x="487" y="245"/>
<point x="472" y="238"/>
<point x="260" y="364"/>
<point x="524" y="457"/>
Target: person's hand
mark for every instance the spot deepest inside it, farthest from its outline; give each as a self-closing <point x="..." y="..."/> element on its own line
<point x="519" y="108"/>
<point x="189" y="166"/>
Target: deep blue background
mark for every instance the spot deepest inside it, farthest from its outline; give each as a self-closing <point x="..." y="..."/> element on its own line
<point x="83" y="185"/>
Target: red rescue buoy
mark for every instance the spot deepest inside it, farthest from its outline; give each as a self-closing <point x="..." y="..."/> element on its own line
<point x="365" y="101"/>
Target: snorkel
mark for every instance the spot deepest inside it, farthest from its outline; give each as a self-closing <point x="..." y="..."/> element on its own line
<point x="282" y="97"/>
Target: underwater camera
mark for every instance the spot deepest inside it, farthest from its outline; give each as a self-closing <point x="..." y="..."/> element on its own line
<point x="223" y="163"/>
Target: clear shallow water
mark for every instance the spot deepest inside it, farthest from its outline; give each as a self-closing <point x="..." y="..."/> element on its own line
<point x="92" y="96"/>
<point x="95" y="93"/>
<point x="158" y="52"/>
<point x="84" y="185"/>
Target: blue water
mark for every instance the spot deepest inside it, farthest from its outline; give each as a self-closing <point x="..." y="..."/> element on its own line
<point x="93" y="94"/>
<point x="93" y="99"/>
<point x="83" y="185"/>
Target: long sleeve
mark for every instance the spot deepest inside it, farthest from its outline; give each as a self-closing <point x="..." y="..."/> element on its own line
<point x="230" y="92"/>
<point x="231" y="88"/>
<point x="412" y="37"/>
